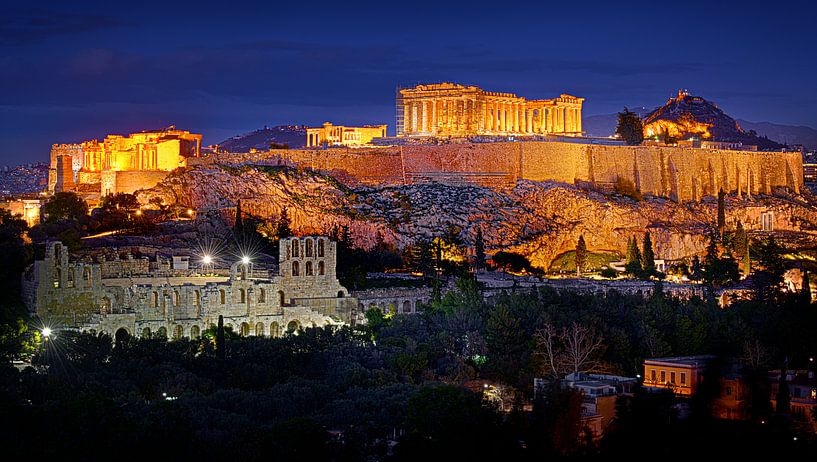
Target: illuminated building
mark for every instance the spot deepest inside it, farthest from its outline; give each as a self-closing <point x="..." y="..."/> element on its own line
<point x="339" y="135"/>
<point x="449" y="109"/>
<point x="681" y="374"/>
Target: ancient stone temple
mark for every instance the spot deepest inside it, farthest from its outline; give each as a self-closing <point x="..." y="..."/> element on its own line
<point x="449" y="109"/>
<point x="338" y="135"/>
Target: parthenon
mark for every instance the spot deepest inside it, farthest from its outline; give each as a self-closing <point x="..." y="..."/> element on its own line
<point x="449" y="109"/>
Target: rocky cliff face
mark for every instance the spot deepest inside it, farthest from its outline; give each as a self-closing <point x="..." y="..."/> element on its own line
<point x="539" y="219"/>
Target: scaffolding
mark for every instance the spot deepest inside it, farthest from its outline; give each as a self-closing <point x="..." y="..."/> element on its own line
<point x="399" y="112"/>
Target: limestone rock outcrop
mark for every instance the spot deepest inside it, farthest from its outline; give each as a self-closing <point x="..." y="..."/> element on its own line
<point x="539" y="219"/>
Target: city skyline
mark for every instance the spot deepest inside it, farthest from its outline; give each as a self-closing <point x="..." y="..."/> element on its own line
<point x="222" y="73"/>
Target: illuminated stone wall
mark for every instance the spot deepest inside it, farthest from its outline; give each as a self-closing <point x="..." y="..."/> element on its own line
<point x="679" y="173"/>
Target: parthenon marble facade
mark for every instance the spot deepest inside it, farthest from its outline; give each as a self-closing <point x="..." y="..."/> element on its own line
<point x="449" y="109"/>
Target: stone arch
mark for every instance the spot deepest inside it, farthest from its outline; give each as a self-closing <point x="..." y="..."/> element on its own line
<point x="341" y="294"/>
<point x="274" y="330"/>
<point x="293" y="326"/>
<point x="161" y="332"/>
<point x="321" y="268"/>
<point x="146" y="332"/>
<point x="86" y="276"/>
<point x="407" y="305"/>
<point x="69" y="278"/>
<point x="281" y="299"/>
<point x="309" y="247"/>
<point x="154" y="299"/>
<point x="242" y="295"/>
<point x="121" y="335"/>
<point x="259" y="329"/>
<point x="57" y="278"/>
<point x="309" y="271"/>
<point x="196" y="298"/>
<point x="195" y="332"/>
<point x="262" y="295"/>
<point x="178" y="332"/>
<point x="320" y="247"/>
<point x="295" y="268"/>
<point x="222" y="296"/>
<point x="175" y="297"/>
<point x="295" y="248"/>
<point x="244" y="329"/>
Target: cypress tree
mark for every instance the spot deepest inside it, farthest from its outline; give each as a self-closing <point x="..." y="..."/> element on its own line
<point x="220" y="347"/>
<point x="721" y="212"/>
<point x="283" y="231"/>
<point x="633" y="265"/>
<point x="648" y="256"/>
<point x="479" y="250"/>
<point x="581" y="255"/>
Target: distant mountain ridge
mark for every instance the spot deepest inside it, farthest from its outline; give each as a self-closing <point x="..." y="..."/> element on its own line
<point x="293" y="136"/>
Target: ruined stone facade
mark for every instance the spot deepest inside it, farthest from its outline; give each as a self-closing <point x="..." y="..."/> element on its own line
<point x="101" y="167"/>
<point x="449" y="109"/>
<point x="679" y="173"/>
<point x="338" y="135"/>
<point x="137" y="298"/>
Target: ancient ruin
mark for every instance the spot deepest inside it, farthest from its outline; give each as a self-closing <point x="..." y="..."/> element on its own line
<point x="338" y="135"/>
<point x="449" y="109"/>
<point x="143" y="298"/>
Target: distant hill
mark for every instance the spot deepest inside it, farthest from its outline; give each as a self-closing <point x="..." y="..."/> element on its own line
<point x="686" y="116"/>
<point x="293" y="136"/>
<point x="788" y="134"/>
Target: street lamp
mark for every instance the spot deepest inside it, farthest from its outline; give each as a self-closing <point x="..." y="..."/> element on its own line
<point x="245" y="260"/>
<point x="46" y="331"/>
<point x="207" y="259"/>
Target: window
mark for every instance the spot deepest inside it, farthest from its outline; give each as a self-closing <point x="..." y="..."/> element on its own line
<point x="57" y="277"/>
<point x="295" y="248"/>
<point x="154" y="300"/>
<point x="321" y="270"/>
<point x="242" y="294"/>
<point x="652" y="376"/>
<point x="683" y="378"/>
<point x="70" y="281"/>
<point x="222" y="296"/>
<point x="86" y="276"/>
<point x="309" y="268"/>
<point x="197" y="297"/>
<point x="175" y="298"/>
<point x="320" y="247"/>
<point x="262" y="296"/>
<point x="663" y="376"/>
<point x="309" y="247"/>
<point x="295" y="269"/>
<point x="672" y="377"/>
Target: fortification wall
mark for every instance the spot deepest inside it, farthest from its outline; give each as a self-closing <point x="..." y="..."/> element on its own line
<point x="679" y="173"/>
<point x="130" y="181"/>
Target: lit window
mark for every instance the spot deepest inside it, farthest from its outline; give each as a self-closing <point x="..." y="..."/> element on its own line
<point x="663" y="376"/>
<point x="683" y="378"/>
<point x="672" y="377"/>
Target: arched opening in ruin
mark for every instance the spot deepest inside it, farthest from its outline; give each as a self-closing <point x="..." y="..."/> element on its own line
<point x="292" y="327"/>
<point x="197" y="298"/>
<point x="295" y="268"/>
<point x="320" y="247"/>
<point x="407" y="306"/>
<point x="195" y="332"/>
<point x="105" y="306"/>
<point x="121" y="335"/>
<point x="178" y="332"/>
<point x="262" y="295"/>
<point x="309" y="271"/>
<point x="57" y="278"/>
<point x="175" y="298"/>
<point x="341" y="294"/>
<point x="321" y="268"/>
<point x="222" y="296"/>
<point x="274" y="330"/>
<point x="242" y="295"/>
<point x="161" y="332"/>
<point x="309" y="249"/>
<point x="86" y="277"/>
<point x="281" y="298"/>
<point x="154" y="300"/>
<point x="295" y="248"/>
<point x="259" y="329"/>
<point x="244" y="329"/>
<point x="70" y="278"/>
<point x="146" y="332"/>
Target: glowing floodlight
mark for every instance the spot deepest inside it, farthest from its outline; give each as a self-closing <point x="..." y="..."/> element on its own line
<point x="245" y="260"/>
<point x="207" y="259"/>
<point x="46" y="331"/>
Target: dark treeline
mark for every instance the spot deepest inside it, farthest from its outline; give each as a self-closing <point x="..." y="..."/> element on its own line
<point x="394" y="389"/>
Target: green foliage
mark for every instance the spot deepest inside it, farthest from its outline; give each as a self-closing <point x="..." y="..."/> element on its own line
<point x="581" y="255"/>
<point x="648" y="257"/>
<point x="609" y="273"/>
<point x="768" y="278"/>
<point x="633" y="263"/>
<point x="510" y="261"/>
<point x="630" y="128"/>
<point x="283" y="230"/>
<point x="721" y="212"/>
<point x="719" y="268"/>
<point x="479" y="250"/>
<point x="64" y="206"/>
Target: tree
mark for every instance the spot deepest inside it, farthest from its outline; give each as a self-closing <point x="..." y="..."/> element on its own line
<point x="648" y="256"/>
<point x="768" y="280"/>
<point x="570" y="350"/>
<point x="238" y="228"/>
<point x="283" y="231"/>
<point x="805" y="291"/>
<point x="220" y="346"/>
<point x="581" y="255"/>
<point x="510" y="261"/>
<point x="64" y="206"/>
<point x="633" y="264"/>
<point x="721" y="212"/>
<point x="718" y="269"/>
<point x="740" y="247"/>
<point x="479" y="250"/>
<point x="630" y="128"/>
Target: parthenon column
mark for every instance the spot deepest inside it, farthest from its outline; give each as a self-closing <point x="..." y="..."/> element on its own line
<point x="578" y="120"/>
<point x="502" y="116"/>
<point x="516" y="117"/>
